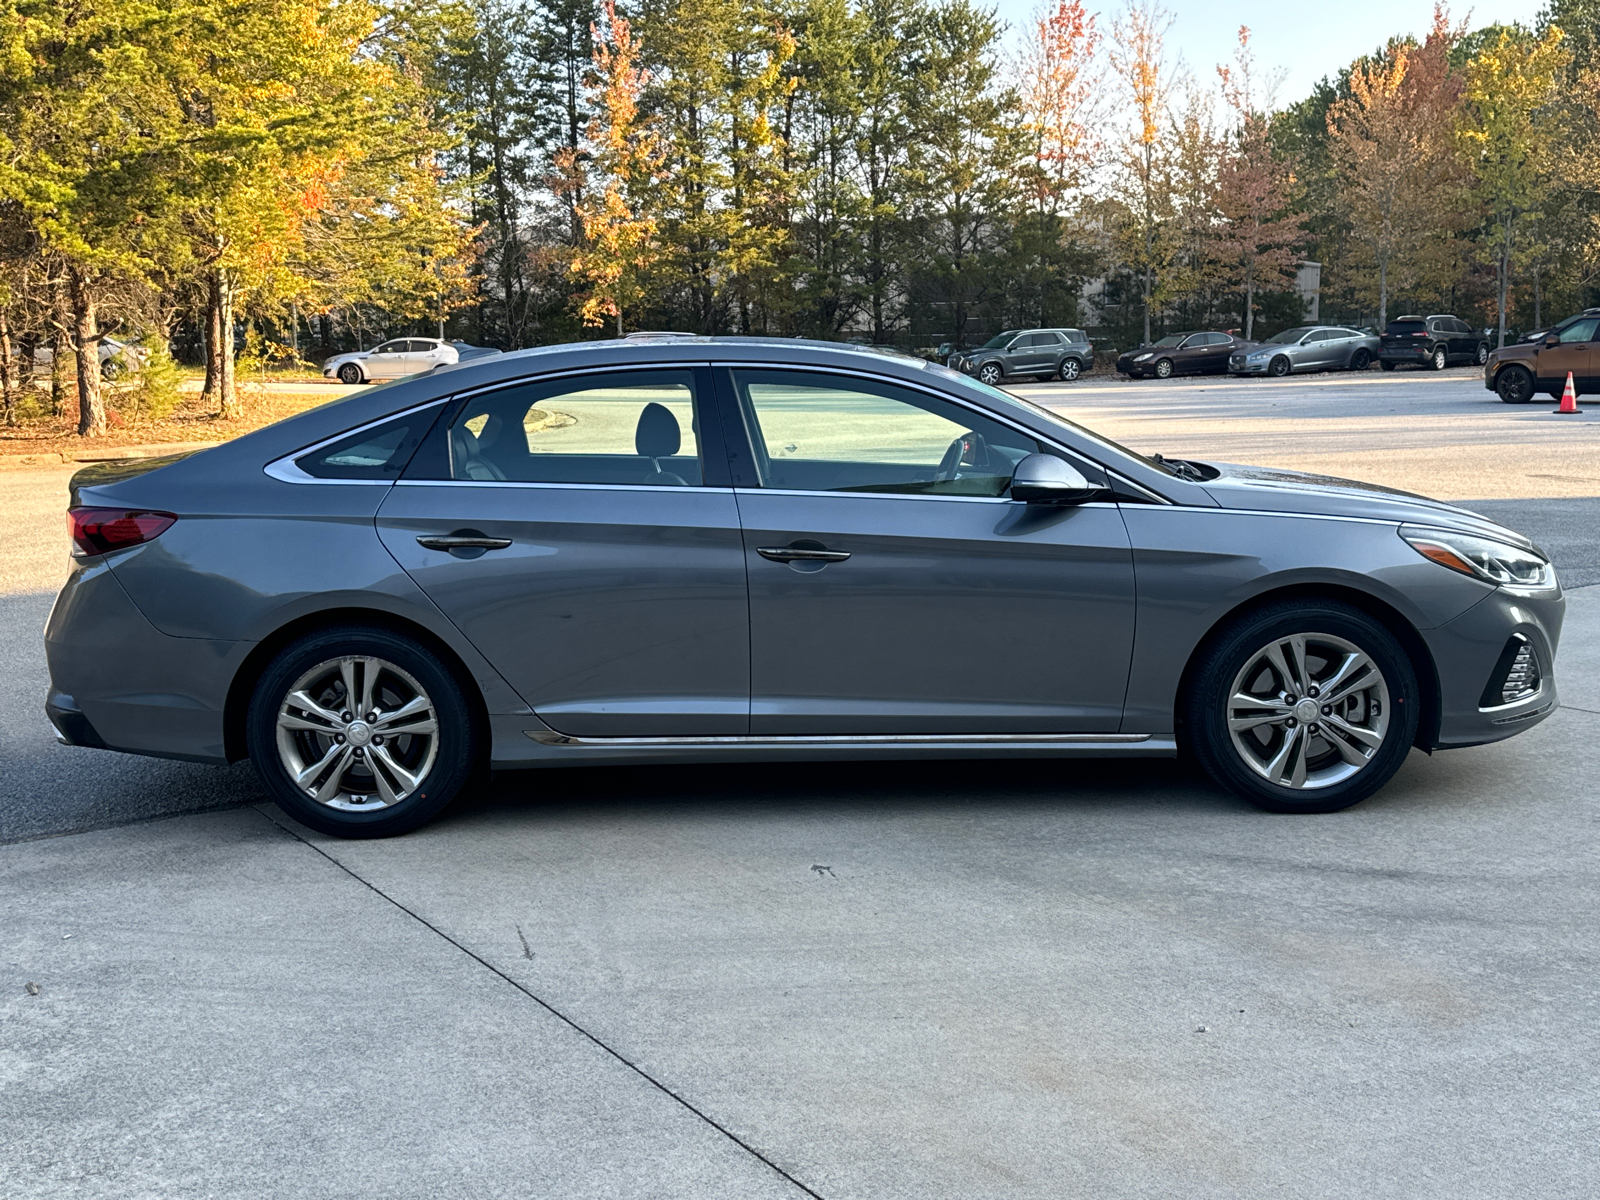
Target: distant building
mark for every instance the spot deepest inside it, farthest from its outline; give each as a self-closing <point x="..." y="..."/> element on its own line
<point x="1308" y="286"/>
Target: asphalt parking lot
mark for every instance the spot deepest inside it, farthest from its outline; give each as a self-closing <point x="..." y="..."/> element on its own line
<point x="947" y="980"/>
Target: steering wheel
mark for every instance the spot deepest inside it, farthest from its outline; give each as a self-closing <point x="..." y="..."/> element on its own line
<point x="968" y="450"/>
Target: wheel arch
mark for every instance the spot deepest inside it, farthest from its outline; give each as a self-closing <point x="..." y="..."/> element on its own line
<point x="236" y="707"/>
<point x="990" y="362"/>
<point x="1387" y="615"/>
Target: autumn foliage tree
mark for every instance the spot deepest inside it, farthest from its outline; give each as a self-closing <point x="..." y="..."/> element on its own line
<point x="1260" y="234"/>
<point x="619" y="233"/>
<point x="1393" y="140"/>
<point x="1144" y="162"/>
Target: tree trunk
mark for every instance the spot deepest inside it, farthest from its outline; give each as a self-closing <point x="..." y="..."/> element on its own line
<point x="209" y="342"/>
<point x="1249" y="302"/>
<point x="1537" y="302"/>
<point x="219" y="348"/>
<point x="1383" y="291"/>
<point x="1504" y="280"/>
<point x="86" y="343"/>
<point x="8" y="372"/>
<point x="58" y="374"/>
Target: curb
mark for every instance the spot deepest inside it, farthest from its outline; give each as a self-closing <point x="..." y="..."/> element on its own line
<point x="55" y="458"/>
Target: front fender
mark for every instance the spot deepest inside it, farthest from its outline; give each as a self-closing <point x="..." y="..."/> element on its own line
<point x="1184" y="591"/>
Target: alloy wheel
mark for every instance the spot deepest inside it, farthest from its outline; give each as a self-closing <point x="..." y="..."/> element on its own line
<point x="989" y="373"/>
<point x="350" y="373"/>
<point x="1308" y="711"/>
<point x="1070" y="370"/>
<point x="1278" y="366"/>
<point x="1439" y="360"/>
<point x="1164" y="369"/>
<point x="1483" y="353"/>
<point x="357" y="734"/>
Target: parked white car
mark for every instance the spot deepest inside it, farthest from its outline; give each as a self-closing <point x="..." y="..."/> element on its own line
<point x="392" y="360"/>
<point x="116" y="358"/>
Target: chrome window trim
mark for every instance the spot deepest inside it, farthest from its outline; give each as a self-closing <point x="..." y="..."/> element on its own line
<point x="696" y="489"/>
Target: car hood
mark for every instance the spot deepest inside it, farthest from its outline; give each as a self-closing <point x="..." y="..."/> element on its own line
<point x="1276" y="490"/>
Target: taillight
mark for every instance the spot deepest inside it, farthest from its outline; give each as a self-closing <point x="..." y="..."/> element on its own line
<point x="101" y="530"/>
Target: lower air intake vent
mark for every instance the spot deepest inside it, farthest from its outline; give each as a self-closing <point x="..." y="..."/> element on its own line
<point x="1515" y="677"/>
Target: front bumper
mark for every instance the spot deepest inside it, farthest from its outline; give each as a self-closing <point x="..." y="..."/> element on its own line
<point x="1467" y="654"/>
<point x="1240" y="365"/>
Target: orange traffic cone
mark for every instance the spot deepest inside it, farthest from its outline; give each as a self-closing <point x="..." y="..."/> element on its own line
<point x="1569" y="398"/>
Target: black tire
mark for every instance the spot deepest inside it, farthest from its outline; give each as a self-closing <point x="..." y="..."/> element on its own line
<point x="1069" y="370"/>
<point x="991" y="374"/>
<point x="1278" y="367"/>
<point x="112" y="369"/>
<point x="349" y="373"/>
<point x="1514" y="385"/>
<point x="1439" y="360"/>
<point x="1236" y="647"/>
<point x="1483" y="353"/>
<point x="1360" y="360"/>
<point x="1163" y="368"/>
<point x="1386" y="364"/>
<point x="458" y="755"/>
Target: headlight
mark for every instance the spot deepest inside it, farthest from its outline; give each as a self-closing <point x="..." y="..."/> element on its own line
<point x="1140" y="357"/>
<point x="1491" y="561"/>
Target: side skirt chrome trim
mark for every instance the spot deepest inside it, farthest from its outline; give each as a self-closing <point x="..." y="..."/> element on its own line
<point x="548" y="737"/>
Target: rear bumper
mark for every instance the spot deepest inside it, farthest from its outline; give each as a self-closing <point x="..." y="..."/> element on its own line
<point x="118" y="683"/>
<point x="1407" y="355"/>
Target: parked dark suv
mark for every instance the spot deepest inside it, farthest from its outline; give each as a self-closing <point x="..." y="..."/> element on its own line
<point x="1438" y="341"/>
<point x="1042" y="353"/>
<point x="1192" y="353"/>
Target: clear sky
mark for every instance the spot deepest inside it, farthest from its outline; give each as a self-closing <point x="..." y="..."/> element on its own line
<point x="1307" y="41"/>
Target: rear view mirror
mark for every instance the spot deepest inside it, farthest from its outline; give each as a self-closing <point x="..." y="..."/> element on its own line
<point x="1046" y="479"/>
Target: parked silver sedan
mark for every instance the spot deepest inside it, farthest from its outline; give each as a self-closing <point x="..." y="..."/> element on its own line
<point x="1309" y="348"/>
<point x="692" y="549"/>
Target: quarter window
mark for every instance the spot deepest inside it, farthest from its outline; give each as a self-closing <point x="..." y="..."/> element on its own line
<point x="815" y="432"/>
<point x="624" y="428"/>
<point x="378" y="453"/>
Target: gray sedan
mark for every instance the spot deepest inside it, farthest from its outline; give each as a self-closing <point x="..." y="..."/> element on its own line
<point x="1309" y="348"/>
<point x="684" y="548"/>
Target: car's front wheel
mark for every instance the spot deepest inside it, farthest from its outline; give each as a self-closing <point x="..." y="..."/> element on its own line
<point x="991" y="373"/>
<point x="1278" y="367"/>
<point x="1071" y="368"/>
<point x="361" y="732"/>
<point x="1483" y="353"/>
<point x="1514" y="385"/>
<point x="1303" y="707"/>
<point x="1164" y="368"/>
<point x="349" y="373"/>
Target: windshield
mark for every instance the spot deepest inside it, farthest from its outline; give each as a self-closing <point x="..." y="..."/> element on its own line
<point x="1289" y="336"/>
<point x="999" y="339"/>
<point x="1170" y="341"/>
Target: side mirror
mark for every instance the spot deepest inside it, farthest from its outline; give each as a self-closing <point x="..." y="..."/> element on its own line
<point x="1046" y="479"/>
<point x="1551" y="342"/>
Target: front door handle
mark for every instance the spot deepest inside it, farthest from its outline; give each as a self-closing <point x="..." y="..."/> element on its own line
<point x="463" y="540"/>
<point x="783" y="554"/>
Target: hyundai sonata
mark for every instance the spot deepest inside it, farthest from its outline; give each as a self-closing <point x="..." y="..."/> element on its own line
<point x="680" y="548"/>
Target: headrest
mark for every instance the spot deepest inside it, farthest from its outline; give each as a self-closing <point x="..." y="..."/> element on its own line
<point x="658" y="435"/>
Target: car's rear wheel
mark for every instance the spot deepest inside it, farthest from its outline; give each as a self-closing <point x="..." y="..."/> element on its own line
<point x="1278" y="367"/>
<point x="1303" y="707"/>
<point x="361" y="732"/>
<point x="1514" y="385"/>
<point x="990" y="373"/>
<point x="1360" y="360"/>
<point x="1164" y="368"/>
<point x="1440" y="359"/>
<point x="349" y="373"/>
<point x="1483" y="353"/>
<point x="1070" y="369"/>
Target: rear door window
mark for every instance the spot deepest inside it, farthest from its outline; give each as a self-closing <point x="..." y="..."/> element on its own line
<point x="630" y="428"/>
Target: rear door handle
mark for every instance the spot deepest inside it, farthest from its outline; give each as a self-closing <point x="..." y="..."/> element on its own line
<point x="783" y="554"/>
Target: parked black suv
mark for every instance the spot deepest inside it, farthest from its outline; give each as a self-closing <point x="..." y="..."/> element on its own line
<point x="1042" y="353"/>
<point x="1437" y="341"/>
